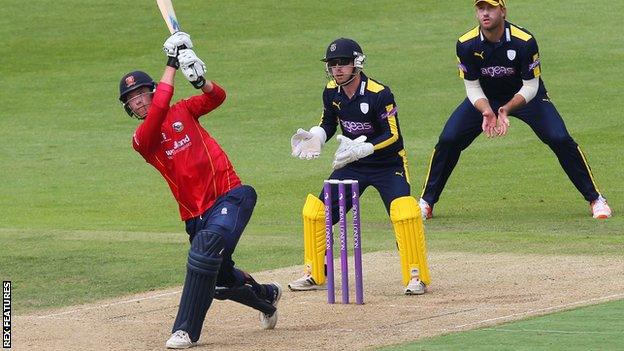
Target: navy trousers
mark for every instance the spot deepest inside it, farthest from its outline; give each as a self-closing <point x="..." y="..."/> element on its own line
<point x="540" y="114"/>
<point x="228" y="216"/>
<point x="214" y="236"/>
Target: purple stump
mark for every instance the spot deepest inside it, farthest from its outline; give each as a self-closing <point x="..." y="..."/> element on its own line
<point x="344" y="267"/>
<point x="357" y="243"/>
<point x="329" y="242"/>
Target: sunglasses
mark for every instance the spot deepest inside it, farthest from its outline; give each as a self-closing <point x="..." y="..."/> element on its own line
<point x="343" y="61"/>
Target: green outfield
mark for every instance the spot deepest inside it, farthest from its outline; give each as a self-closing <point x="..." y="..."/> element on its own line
<point x="83" y="217"/>
<point x="590" y="328"/>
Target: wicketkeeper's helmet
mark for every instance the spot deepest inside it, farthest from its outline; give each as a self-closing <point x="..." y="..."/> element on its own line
<point x="345" y="48"/>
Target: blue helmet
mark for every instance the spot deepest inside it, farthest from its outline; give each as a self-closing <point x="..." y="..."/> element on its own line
<point x="132" y="81"/>
<point x="345" y="48"/>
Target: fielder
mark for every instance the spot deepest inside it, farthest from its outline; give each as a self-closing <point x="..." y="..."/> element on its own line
<point x="212" y="201"/>
<point x="500" y="65"/>
<point x="371" y="152"/>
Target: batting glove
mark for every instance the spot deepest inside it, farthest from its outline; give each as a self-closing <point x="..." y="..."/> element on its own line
<point x="192" y="67"/>
<point x="177" y="41"/>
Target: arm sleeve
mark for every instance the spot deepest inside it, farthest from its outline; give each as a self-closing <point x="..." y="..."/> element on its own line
<point x="529" y="89"/>
<point x="200" y="105"/>
<point x="474" y="91"/>
<point x="387" y="117"/>
<point x="147" y="136"/>
<point x="530" y="64"/>
<point x="329" y="118"/>
<point x="465" y="63"/>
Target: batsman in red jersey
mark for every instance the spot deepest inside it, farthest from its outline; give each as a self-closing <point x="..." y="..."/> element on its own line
<point x="214" y="204"/>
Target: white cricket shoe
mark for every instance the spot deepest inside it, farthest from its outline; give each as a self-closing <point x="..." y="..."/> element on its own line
<point x="305" y="283"/>
<point x="415" y="287"/>
<point x="180" y="340"/>
<point x="600" y="208"/>
<point x="269" y="321"/>
<point x="425" y="209"/>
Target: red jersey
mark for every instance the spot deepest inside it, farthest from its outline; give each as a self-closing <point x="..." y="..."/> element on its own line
<point x="173" y="141"/>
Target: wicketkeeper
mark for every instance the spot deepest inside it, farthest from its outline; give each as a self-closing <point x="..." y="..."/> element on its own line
<point x="371" y="151"/>
<point x="212" y="201"/>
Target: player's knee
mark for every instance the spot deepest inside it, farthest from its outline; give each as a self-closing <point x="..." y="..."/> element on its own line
<point x="404" y="208"/>
<point x="249" y="195"/>
<point x="206" y="253"/>
<point x="448" y="140"/>
<point x="313" y="209"/>
<point x="559" y="139"/>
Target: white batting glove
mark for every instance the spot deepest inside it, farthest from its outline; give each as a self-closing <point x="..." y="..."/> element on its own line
<point x="192" y="67"/>
<point x="351" y="150"/>
<point x="305" y="145"/>
<point x="177" y="40"/>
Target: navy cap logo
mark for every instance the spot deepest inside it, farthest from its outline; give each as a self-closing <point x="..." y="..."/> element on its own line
<point x="332" y="47"/>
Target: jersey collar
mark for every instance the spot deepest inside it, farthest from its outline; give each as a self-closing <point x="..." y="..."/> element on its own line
<point x="362" y="88"/>
<point x="506" y="34"/>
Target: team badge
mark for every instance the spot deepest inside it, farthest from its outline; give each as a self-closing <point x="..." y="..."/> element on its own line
<point x="364" y="107"/>
<point x="178" y="126"/>
<point x="332" y="48"/>
<point x="511" y="54"/>
<point x="130" y="81"/>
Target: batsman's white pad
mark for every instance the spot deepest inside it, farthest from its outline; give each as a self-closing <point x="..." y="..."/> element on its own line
<point x="314" y="238"/>
<point x="410" y="236"/>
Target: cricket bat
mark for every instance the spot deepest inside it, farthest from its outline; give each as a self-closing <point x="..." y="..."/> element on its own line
<point x="166" y="9"/>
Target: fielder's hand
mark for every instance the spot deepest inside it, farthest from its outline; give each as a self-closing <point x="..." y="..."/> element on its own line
<point x="489" y="123"/>
<point x="192" y="67"/>
<point x="503" y="122"/>
<point x="351" y="150"/>
<point x="305" y="145"/>
<point x="177" y="41"/>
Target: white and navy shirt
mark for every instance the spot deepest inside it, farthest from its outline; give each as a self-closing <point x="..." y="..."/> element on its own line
<point x="371" y="112"/>
<point x="500" y="67"/>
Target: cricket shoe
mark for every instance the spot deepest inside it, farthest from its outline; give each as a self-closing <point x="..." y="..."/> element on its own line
<point x="600" y="208"/>
<point x="425" y="209"/>
<point x="305" y="283"/>
<point x="415" y="287"/>
<point x="180" y="340"/>
<point x="268" y="321"/>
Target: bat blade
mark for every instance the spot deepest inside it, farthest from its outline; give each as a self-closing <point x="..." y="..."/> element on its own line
<point x="168" y="14"/>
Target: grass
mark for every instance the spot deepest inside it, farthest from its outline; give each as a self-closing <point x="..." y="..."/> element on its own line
<point x="83" y="217"/>
<point x="597" y="327"/>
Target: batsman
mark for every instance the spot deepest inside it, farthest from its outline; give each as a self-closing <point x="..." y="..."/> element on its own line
<point x="371" y="151"/>
<point x="213" y="202"/>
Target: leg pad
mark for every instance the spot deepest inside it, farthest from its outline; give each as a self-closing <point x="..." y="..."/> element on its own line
<point x="410" y="236"/>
